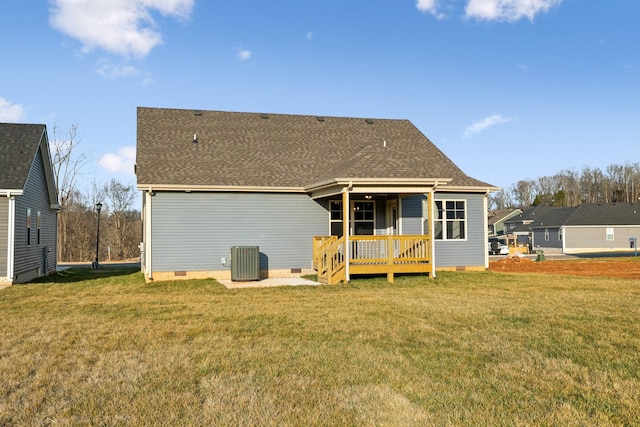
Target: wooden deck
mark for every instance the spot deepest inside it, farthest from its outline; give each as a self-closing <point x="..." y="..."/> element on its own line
<point x="370" y="255"/>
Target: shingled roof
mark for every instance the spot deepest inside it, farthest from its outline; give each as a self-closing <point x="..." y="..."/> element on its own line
<point x="280" y="150"/>
<point x="19" y="144"/>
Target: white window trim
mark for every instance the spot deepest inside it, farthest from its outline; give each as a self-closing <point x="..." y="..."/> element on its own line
<point x="610" y="234"/>
<point x="444" y="220"/>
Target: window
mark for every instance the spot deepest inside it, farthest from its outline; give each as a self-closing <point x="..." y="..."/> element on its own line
<point x="28" y="226"/>
<point x="38" y="225"/>
<point x="363" y="217"/>
<point x="450" y="222"/>
<point x="335" y="209"/>
<point x="610" y="236"/>
<point x="546" y="234"/>
<point x="560" y="235"/>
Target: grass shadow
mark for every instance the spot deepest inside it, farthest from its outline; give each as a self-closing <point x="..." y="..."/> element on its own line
<point x="79" y="274"/>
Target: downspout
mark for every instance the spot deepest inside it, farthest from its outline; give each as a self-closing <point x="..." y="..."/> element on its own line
<point x="432" y="202"/>
<point x="345" y="230"/>
<point x="147" y="227"/>
<point x="485" y="204"/>
<point x="11" y="235"/>
<point x="564" y="239"/>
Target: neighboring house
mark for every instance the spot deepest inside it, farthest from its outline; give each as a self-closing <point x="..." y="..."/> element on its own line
<point x="28" y="204"/>
<point x="590" y="227"/>
<point x="343" y="196"/>
<point x="497" y="218"/>
<point x="518" y="228"/>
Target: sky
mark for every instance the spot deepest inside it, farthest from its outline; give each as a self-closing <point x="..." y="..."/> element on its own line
<point x="508" y="89"/>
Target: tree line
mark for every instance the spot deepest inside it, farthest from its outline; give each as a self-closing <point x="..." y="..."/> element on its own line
<point x="120" y="223"/>
<point x="568" y="188"/>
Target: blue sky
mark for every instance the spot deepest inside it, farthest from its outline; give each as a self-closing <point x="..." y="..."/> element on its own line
<point x="508" y="89"/>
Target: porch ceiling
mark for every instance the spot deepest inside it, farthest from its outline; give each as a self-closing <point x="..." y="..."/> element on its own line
<point x="374" y="186"/>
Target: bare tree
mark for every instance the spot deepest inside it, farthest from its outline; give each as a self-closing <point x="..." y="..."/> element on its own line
<point x="67" y="165"/>
<point x="524" y="192"/>
<point x="500" y="200"/>
<point x="121" y="198"/>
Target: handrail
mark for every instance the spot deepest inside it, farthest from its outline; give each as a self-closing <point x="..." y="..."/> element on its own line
<point x="370" y="254"/>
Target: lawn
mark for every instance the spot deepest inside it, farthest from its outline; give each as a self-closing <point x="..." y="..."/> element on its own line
<point x="87" y="348"/>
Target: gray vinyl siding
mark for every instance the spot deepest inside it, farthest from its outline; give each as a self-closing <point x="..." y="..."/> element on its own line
<point x="539" y="241"/>
<point x="594" y="238"/>
<point x="468" y="252"/>
<point x="411" y="212"/>
<point x="451" y="253"/>
<point x="31" y="261"/>
<point x="4" y="231"/>
<point x="194" y="231"/>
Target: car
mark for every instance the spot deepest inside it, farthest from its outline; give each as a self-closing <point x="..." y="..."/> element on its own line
<point x="498" y="248"/>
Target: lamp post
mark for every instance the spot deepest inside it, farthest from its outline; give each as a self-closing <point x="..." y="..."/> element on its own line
<point x="95" y="265"/>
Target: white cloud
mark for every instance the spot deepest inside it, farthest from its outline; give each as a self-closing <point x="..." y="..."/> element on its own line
<point x="309" y="35"/>
<point x="111" y="71"/>
<point x="120" y="162"/>
<point x="430" y="6"/>
<point x="243" y="54"/>
<point x="123" y="27"/>
<point x="490" y="10"/>
<point x="10" y="112"/>
<point x="507" y="10"/>
<point x="523" y="67"/>
<point x="426" y="6"/>
<point x="484" y="124"/>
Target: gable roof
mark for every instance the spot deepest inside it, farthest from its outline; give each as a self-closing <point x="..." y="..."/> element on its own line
<point x="501" y="215"/>
<point x="586" y="214"/>
<point x="554" y="217"/>
<point x="605" y="214"/>
<point x="284" y="151"/>
<point x="19" y="146"/>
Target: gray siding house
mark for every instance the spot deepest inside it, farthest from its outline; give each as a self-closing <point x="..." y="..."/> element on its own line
<point x="28" y="204"/>
<point x="375" y="190"/>
<point x="591" y="227"/>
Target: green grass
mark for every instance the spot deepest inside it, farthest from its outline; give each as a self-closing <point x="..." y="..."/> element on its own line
<point x="104" y="348"/>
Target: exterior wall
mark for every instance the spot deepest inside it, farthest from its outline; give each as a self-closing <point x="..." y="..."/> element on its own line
<point x="194" y="232"/>
<point x="34" y="260"/>
<point x="469" y="253"/>
<point x="411" y="212"/>
<point x="553" y="245"/>
<point x="594" y="238"/>
<point x="4" y="236"/>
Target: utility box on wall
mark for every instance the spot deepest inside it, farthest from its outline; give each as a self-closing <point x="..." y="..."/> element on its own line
<point x="245" y="263"/>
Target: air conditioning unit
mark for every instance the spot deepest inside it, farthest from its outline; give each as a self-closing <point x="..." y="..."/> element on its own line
<point x="245" y="263"/>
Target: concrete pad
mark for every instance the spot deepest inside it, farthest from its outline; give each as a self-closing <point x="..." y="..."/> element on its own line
<point x="269" y="282"/>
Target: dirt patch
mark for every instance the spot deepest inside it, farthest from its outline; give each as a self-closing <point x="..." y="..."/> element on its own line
<point x="624" y="268"/>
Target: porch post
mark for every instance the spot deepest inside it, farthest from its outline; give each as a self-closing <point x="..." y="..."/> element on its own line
<point x="345" y="233"/>
<point x="430" y="222"/>
<point x="390" y="258"/>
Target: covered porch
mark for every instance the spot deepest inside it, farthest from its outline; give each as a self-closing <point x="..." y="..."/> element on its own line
<point x="370" y="231"/>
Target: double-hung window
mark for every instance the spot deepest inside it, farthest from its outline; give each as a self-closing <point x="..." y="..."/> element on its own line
<point x="450" y="221"/>
<point x="362" y="220"/>
<point x="335" y="208"/>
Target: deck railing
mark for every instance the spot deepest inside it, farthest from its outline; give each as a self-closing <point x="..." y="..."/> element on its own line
<point x="372" y="255"/>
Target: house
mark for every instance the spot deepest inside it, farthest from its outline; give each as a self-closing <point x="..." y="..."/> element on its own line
<point x="497" y="218"/>
<point x="338" y="195"/>
<point x="518" y="228"/>
<point x="28" y="204"/>
<point x="590" y="227"/>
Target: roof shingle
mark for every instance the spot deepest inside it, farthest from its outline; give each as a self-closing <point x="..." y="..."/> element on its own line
<point x="18" y="146"/>
<point x="281" y="150"/>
